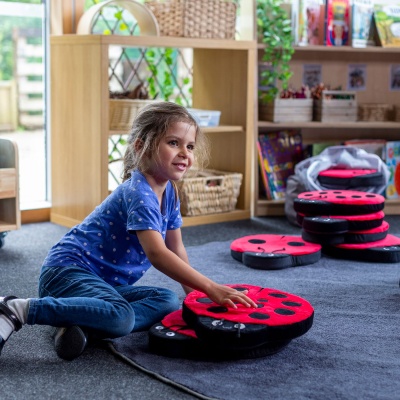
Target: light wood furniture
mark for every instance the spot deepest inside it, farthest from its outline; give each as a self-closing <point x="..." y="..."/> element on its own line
<point x="10" y="216"/>
<point x="334" y="62"/>
<point x="224" y="78"/>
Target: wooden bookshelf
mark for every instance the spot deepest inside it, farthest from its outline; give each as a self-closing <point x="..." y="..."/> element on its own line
<point x="224" y="78"/>
<point x="334" y="62"/>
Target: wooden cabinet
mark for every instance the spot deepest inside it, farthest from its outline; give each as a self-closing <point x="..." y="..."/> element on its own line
<point x="334" y="62"/>
<point x="224" y="78"/>
<point x="10" y="217"/>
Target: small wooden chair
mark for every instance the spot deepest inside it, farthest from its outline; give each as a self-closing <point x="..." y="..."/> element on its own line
<point x="10" y="214"/>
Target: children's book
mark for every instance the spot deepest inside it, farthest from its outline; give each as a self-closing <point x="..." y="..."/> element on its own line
<point x="374" y="146"/>
<point x="387" y="22"/>
<point x="265" y="171"/>
<point x="311" y="23"/>
<point x="392" y="150"/>
<point x="361" y="22"/>
<point x="279" y="152"/>
<point x="337" y="22"/>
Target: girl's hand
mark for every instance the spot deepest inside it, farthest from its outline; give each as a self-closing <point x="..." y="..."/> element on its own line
<point x="227" y="296"/>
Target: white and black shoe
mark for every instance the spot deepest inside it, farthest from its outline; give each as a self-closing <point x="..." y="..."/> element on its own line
<point x="5" y="310"/>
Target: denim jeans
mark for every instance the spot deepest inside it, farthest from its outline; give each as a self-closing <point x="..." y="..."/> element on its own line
<point x="74" y="296"/>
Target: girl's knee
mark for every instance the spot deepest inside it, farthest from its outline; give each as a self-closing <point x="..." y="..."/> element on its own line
<point x="122" y="321"/>
<point x="170" y="301"/>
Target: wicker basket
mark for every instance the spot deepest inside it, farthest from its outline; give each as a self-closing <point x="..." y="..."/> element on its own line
<point x="374" y="112"/>
<point x="211" y="19"/>
<point x="123" y="112"/>
<point x="209" y="192"/>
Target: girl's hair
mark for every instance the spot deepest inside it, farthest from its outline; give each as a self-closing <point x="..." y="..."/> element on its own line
<point x="150" y="126"/>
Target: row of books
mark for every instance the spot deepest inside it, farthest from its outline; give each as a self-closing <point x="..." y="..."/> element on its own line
<point x="356" y="23"/>
<point x="280" y="151"/>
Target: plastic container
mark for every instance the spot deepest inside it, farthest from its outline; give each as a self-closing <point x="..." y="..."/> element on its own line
<point x="205" y="118"/>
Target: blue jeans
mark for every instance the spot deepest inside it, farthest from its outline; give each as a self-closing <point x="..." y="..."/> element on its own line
<point x="74" y="296"/>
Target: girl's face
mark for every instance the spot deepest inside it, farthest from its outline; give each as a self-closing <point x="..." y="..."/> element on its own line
<point x="175" y="154"/>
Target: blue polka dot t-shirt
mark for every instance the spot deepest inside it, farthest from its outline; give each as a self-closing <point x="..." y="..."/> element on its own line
<point x="105" y="242"/>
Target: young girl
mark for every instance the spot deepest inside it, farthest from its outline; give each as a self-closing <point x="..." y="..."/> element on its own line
<point x="88" y="280"/>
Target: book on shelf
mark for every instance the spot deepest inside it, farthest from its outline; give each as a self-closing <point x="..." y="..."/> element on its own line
<point x="337" y="22"/>
<point x="387" y="22"/>
<point x="311" y="20"/>
<point x="392" y="159"/>
<point x="292" y="11"/>
<point x="361" y="22"/>
<point x="317" y="148"/>
<point x="374" y="146"/>
<point x="278" y="153"/>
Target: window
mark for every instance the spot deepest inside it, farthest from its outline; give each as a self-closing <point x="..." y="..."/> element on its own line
<point x="23" y="71"/>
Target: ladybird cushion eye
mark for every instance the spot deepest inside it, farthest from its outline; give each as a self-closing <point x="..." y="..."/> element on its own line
<point x="274" y="251"/>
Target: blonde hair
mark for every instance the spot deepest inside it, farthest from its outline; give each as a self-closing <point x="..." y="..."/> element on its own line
<point x="150" y="126"/>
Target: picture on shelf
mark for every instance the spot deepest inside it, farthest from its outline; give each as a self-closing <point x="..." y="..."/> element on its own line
<point x="312" y="75"/>
<point x="264" y="67"/>
<point x="395" y="77"/>
<point x="357" y="77"/>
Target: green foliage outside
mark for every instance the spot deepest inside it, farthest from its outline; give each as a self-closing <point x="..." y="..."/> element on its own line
<point x="6" y="40"/>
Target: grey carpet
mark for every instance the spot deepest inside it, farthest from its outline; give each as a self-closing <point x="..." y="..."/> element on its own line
<point x="352" y="350"/>
<point x="30" y="369"/>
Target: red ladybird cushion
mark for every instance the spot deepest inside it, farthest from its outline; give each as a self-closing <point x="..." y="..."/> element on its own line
<point x="350" y="178"/>
<point x="340" y="223"/>
<point x="362" y="236"/>
<point x="279" y="316"/>
<point x="338" y="202"/>
<point x="274" y="251"/>
<point x="382" y="251"/>
<point x="172" y="337"/>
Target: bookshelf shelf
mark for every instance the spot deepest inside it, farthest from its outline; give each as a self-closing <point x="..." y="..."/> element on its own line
<point x="342" y="49"/>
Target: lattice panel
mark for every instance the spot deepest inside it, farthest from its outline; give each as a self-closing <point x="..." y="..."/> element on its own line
<point x="166" y="73"/>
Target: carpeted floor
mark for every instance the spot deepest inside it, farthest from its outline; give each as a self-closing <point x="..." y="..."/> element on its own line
<point x="31" y="370"/>
<point x="351" y="351"/>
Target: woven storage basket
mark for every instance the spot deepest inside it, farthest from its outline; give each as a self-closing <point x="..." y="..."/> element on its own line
<point x="211" y="19"/>
<point x="374" y="112"/>
<point x="209" y="192"/>
<point x="123" y="112"/>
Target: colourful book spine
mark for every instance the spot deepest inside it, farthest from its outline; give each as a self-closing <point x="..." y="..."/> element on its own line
<point x="392" y="150"/>
<point x="280" y="151"/>
<point x="265" y="171"/>
<point x="337" y="22"/>
<point x="361" y="20"/>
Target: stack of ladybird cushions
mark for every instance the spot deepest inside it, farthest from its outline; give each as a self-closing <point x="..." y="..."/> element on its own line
<point x="347" y="224"/>
<point x="203" y="329"/>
